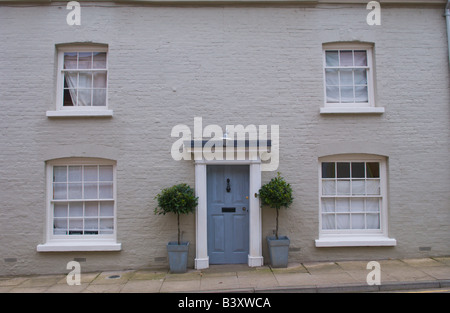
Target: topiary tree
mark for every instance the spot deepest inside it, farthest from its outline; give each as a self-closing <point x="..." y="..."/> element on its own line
<point x="277" y="194"/>
<point x="178" y="199"/>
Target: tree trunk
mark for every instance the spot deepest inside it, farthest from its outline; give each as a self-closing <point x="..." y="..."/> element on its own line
<point x="179" y="233"/>
<point x="276" y="228"/>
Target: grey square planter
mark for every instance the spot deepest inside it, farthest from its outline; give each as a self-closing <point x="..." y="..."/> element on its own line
<point x="178" y="255"/>
<point x="278" y="250"/>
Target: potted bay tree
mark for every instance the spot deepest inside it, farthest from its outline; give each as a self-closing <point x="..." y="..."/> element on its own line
<point x="277" y="194"/>
<point x="178" y="199"/>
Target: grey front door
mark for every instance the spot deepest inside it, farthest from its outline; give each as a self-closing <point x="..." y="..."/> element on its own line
<point x="228" y="217"/>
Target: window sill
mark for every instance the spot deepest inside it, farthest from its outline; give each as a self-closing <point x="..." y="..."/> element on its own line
<point x="352" y="110"/>
<point x="80" y="113"/>
<point x="67" y="246"/>
<point x="363" y="241"/>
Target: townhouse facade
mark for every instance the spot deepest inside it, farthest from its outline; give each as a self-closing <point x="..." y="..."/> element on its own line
<point x="106" y="103"/>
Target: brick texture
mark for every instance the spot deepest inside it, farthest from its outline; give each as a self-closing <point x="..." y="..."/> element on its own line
<point x="229" y="65"/>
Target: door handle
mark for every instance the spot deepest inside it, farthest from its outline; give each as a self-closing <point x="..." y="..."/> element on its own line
<point x="244" y="208"/>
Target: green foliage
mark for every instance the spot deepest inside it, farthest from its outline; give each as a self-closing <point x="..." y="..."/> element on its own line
<point x="178" y="199"/>
<point x="277" y="193"/>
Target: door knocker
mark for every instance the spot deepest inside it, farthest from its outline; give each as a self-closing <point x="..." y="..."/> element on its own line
<point x="228" y="185"/>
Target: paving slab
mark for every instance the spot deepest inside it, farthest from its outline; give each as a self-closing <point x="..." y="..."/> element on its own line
<point x="291" y="268"/>
<point x="40" y="289"/>
<point x="112" y="278"/>
<point x="103" y="288"/>
<point x="322" y="267"/>
<point x="341" y="276"/>
<point x="440" y="273"/>
<point x="424" y="262"/>
<point x="443" y="260"/>
<point x="12" y="281"/>
<point x="219" y="282"/>
<point x="295" y="279"/>
<point x="64" y="288"/>
<point x="149" y="275"/>
<point x="334" y="279"/>
<point x="42" y="281"/>
<point x="142" y="286"/>
<point x="180" y="286"/>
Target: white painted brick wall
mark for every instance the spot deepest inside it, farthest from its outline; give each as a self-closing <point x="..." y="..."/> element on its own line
<point x="229" y="65"/>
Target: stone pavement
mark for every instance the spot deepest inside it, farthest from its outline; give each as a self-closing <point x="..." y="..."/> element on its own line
<point x="345" y="276"/>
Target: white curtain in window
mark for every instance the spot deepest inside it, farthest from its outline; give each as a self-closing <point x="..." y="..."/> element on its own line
<point x="86" y="88"/>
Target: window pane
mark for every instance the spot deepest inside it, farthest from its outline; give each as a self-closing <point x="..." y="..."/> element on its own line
<point x="85" y="80"/>
<point x="71" y="80"/>
<point x="333" y="94"/>
<point x="60" y="173"/>
<point x="342" y="205"/>
<point x="84" y="97"/>
<point x="106" y="173"/>
<point x="99" y="80"/>
<point x="100" y="60"/>
<point x="327" y="205"/>
<point x="332" y="77"/>
<point x="343" y="187"/>
<point x="373" y="170"/>
<point x="372" y="205"/>
<point x="107" y="208"/>
<point x="329" y="187"/>
<point x="358" y="221"/>
<point x="373" y="187"/>
<point x="373" y="221"/>
<point x="358" y="170"/>
<point x="69" y="97"/>
<point x="328" y="170"/>
<point x="90" y="191"/>
<point x="91" y="173"/>
<point x="99" y="97"/>
<point x="91" y="209"/>
<point x="75" y="209"/>
<point x="74" y="173"/>
<point x="70" y="60"/>
<point x="358" y="187"/>
<point x="60" y="226"/>
<point x="60" y="210"/>
<point x="347" y="95"/>
<point x="75" y="226"/>
<point x="85" y="60"/>
<point x="105" y="190"/>
<point x="343" y="221"/>
<point x="361" y="94"/>
<point x="328" y="221"/>
<point x="59" y="191"/>
<point x="346" y="58"/>
<point x="360" y="77"/>
<point x="343" y="170"/>
<point x="106" y="226"/>
<point x="357" y="204"/>
<point x="346" y="77"/>
<point x="75" y="191"/>
<point x="332" y="58"/>
<point x="91" y="226"/>
<point x="360" y="58"/>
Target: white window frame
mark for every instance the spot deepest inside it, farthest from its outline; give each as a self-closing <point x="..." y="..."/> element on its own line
<point x="364" y="107"/>
<point x="77" y="111"/>
<point x="363" y="237"/>
<point x="58" y="243"/>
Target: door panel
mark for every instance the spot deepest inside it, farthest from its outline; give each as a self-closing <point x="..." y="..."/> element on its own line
<point x="228" y="218"/>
